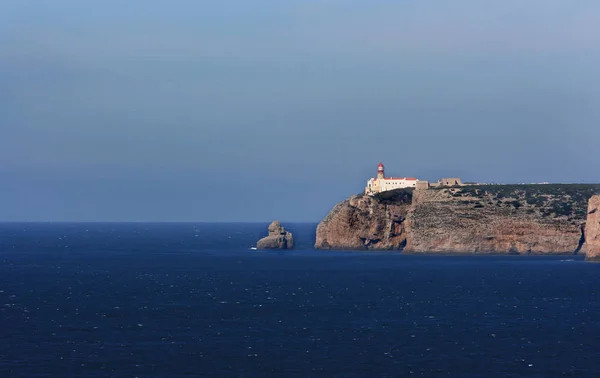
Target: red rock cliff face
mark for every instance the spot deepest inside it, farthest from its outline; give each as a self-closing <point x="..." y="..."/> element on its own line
<point x="445" y="221"/>
<point x="592" y="230"/>
<point x="517" y="219"/>
<point x="363" y="222"/>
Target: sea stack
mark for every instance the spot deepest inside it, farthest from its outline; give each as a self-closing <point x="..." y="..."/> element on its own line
<point x="592" y="230"/>
<point x="278" y="238"/>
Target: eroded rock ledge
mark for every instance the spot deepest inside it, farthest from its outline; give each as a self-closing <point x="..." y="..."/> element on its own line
<point x="364" y="222"/>
<point x="512" y="219"/>
<point x="592" y="230"/>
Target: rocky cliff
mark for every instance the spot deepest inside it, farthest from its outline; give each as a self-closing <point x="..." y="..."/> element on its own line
<point x="518" y="219"/>
<point x="364" y="222"/>
<point x="592" y="230"/>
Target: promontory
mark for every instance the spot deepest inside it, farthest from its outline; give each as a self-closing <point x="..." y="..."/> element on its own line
<point x="509" y="219"/>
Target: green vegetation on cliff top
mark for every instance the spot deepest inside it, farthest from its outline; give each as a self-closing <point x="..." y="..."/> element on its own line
<point x="395" y="196"/>
<point x="568" y="200"/>
<point x="552" y="200"/>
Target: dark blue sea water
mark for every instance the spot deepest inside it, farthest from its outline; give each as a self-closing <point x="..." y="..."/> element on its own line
<point x="158" y="300"/>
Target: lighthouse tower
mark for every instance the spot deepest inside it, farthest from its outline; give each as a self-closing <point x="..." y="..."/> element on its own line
<point x="380" y="171"/>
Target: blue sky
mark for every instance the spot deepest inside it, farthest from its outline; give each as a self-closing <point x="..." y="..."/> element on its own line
<point x="252" y="111"/>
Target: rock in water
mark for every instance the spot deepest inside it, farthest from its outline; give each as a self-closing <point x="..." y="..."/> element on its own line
<point x="278" y="238"/>
<point x="592" y="230"/>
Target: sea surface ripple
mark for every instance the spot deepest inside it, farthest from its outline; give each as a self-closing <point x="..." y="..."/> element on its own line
<point x="185" y="299"/>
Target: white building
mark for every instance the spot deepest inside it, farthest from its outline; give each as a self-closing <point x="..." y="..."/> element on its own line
<point x="381" y="183"/>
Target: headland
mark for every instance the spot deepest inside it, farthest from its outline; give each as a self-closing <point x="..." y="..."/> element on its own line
<point x="453" y="218"/>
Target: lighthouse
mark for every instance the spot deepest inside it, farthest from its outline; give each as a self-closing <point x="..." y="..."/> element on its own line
<point x="380" y="171"/>
<point x="381" y="183"/>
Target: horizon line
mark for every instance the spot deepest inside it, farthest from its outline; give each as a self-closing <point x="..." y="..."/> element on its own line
<point x="110" y="221"/>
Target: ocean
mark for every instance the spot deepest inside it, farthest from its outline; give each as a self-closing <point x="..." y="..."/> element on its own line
<point x="193" y="300"/>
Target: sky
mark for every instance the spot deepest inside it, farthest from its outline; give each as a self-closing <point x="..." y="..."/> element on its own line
<point x="248" y="111"/>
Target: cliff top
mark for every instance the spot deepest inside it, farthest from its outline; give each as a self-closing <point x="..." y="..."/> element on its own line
<point x="540" y="188"/>
<point x="568" y="200"/>
<point x="551" y="200"/>
<point x="396" y="196"/>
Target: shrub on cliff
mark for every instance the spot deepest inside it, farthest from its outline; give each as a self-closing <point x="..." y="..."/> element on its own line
<point x="395" y="196"/>
<point x="551" y="199"/>
<point x="516" y="204"/>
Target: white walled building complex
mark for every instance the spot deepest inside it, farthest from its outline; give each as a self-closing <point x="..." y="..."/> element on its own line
<point x="381" y="183"/>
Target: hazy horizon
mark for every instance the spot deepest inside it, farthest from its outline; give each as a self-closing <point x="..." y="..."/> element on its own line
<point x="245" y="112"/>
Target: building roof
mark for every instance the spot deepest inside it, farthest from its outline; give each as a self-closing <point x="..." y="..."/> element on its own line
<point x="401" y="178"/>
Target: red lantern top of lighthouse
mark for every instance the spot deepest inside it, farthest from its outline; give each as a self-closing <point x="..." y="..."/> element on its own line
<point x="380" y="167"/>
